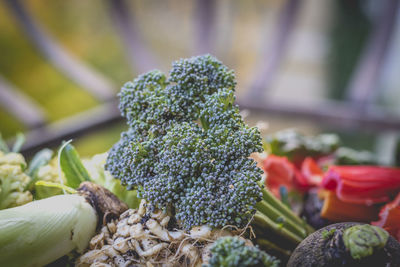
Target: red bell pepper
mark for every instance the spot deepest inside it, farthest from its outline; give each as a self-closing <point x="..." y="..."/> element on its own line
<point x="363" y="184"/>
<point x="311" y="172"/>
<point x="281" y="172"/>
<point x="389" y="218"/>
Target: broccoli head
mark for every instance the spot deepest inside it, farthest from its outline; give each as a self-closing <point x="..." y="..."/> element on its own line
<point x="187" y="148"/>
<point x="13" y="181"/>
<point x="232" y="251"/>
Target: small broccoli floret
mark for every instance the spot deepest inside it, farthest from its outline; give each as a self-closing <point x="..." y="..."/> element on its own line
<point x="144" y="105"/>
<point x="191" y="80"/>
<point x="13" y="181"/>
<point x="231" y="251"/>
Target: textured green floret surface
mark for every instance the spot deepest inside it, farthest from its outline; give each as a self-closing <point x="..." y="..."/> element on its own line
<point x="187" y="146"/>
<point x="232" y="251"/>
<point x="13" y="181"/>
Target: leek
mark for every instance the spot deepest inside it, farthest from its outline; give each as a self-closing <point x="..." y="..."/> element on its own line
<point x="42" y="231"/>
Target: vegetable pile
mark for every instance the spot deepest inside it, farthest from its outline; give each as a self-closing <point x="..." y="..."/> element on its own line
<point x="195" y="194"/>
<point x="48" y="209"/>
<point x="186" y="154"/>
<point x="348" y="183"/>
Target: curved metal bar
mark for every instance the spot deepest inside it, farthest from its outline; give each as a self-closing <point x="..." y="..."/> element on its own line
<point x="91" y="120"/>
<point x="272" y="56"/>
<point x="204" y="24"/>
<point x="330" y="113"/>
<point x="366" y="77"/>
<point x="93" y="82"/>
<point x="20" y="105"/>
<point x="140" y="58"/>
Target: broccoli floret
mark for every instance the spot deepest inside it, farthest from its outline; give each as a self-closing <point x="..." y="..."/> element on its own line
<point x="187" y="151"/>
<point x="191" y="80"/>
<point x="187" y="146"/>
<point x="144" y="105"/>
<point x="13" y="181"/>
<point x="232" y="251"/>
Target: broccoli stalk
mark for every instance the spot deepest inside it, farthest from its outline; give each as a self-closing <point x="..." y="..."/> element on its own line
<point x="187" y="151"/>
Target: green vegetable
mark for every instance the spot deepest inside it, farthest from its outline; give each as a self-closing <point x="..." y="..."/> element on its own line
<point x="48" y="173"/>
<point x="39" y="167"/>
<point x="296" y="146"/>
<point x="187" y="151"/>
<point x="363" y="240"/>
<point x="40" y="159"/>
<point x="73" y="171"/>
<point x="3" y="145"/>
<point x="327" y="234"/>
<point x="348" y="156"/>
<point x="232" y="251"/>
<point x="19" y="141"/>
<point x="203" y="170"/>
<point x="41" y="231"/>
<point x="13" y="181"/>
<point x="71" y="165"/>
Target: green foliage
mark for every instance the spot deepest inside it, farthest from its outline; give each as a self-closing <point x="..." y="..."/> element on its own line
<point x="49" y="172"/>
<point x="348" y="156"/>
<point x="3" y="145"/>
<point x="327" y="234"/>
<point x="187" y="147"/>
<point x="295" y="146"/>
<point x="40" y="159"/>
<point x="19" y="141"/>
<point x="233" y="252"/>
<point x="71" y="165"/>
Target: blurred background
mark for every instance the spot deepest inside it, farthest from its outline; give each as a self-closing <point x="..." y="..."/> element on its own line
<point x="318" y="66"/>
